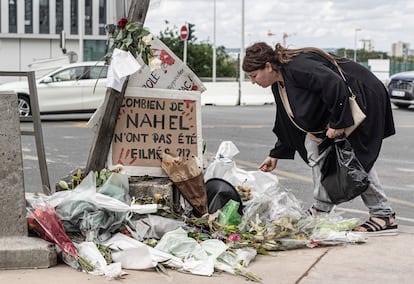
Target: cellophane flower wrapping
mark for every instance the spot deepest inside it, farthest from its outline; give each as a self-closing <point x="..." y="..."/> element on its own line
<point x="187" y="176"/>
<point x="44" y="220"/>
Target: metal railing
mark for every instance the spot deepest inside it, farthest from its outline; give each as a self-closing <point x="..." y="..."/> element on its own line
<point x="37" y="128"/>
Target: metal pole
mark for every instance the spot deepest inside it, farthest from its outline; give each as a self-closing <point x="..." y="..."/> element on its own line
<point x="355" y="44"/>
<point x="241" y="73"/>
<point x="185" y="52"/>
<point x="37" y="126"/>
<point x="214" y="44"/>
<point x="81" y="23"/>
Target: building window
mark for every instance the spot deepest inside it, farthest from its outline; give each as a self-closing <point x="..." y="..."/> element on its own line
<point x="94" y="50"/>
<point x="102" y="17"/>
<point x="44" y="16"/>
<point x="59" y="16"/>
<point x="12" y="16"/>
<point x="88" y="17"/>
<point x="74" y="17"/>
<point x="28" y="16"/>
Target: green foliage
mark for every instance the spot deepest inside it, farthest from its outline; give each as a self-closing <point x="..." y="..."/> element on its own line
<point x="362" y="54"/>
<point x="397" y="63"/>
<point x="200" y="55"/>
<point x="130" y="37"/>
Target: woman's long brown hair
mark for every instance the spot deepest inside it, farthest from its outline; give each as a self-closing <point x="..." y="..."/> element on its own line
<point x="258" y="54"/>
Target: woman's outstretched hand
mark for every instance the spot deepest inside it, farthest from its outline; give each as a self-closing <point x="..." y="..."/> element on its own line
<point x="268" y="165"/>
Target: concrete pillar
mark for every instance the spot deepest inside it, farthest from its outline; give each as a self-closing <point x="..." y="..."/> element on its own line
<point x="17" y="250"/>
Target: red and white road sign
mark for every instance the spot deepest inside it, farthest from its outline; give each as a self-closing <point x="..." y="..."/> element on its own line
<point x="184" y="32"/>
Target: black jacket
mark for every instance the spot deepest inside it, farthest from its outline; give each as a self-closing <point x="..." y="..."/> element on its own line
<point x="318" y="95"/>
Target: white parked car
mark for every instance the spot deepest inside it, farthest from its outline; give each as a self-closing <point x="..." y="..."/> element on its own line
<point x="74" y="88"/>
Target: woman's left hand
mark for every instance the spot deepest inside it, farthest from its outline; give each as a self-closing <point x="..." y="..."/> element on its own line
<point x="332" y="133"/>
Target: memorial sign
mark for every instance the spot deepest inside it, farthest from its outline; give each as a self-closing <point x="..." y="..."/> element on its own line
<point x="153" y="121"/>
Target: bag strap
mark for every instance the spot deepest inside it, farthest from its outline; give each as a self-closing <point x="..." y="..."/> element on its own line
<point x="286" y="105"/>
<point x="352" y="95"/>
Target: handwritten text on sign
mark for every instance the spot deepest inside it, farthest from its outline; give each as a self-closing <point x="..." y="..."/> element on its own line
<point x="154" y="121"/>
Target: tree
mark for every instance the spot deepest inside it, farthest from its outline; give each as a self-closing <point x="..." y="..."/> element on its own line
<point x="362" y="54"/>
<point x="200" y="55"/>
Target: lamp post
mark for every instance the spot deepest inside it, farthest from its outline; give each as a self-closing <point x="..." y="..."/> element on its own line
<point x="241" y="55"/>
<point x="355" y="43"/>
<point x="214" y="69"/>
<point x="81" y="27"/>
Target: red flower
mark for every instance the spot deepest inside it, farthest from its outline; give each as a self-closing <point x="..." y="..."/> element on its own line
<point x="122" y="23"/>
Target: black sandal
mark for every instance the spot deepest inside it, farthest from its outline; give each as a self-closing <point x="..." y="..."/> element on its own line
<point x="378" y="226"/>
<point x="314" y="212"/>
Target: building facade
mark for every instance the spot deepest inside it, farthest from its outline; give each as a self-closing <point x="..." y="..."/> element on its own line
<point x="33" y="30"/>
<point x="400" y="49"/>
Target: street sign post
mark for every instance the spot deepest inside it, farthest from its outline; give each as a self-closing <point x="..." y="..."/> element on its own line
<point x="184" y="32"/>
<point x="184" y="36"/>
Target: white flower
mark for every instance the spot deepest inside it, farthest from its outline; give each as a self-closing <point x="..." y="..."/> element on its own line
<point x="63" y="184"/>
<point x="147" y="39"/>
<point x="120" y="169"/>
<point x="154" y="63"/>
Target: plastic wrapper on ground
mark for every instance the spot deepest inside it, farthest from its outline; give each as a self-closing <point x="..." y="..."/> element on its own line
<point x="95" y="214"/>
<point x="229" y="214"/>
<point x="90" y="252"/>
<point x="154" y="226"/>
<point x="273" y="204"/>
<point x="223" y="166"/>
<point x="196" y="259"/>
<point x="133" y="254"/>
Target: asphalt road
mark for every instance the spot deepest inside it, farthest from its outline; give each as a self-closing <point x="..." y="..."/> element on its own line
<point x="68" y="141"/>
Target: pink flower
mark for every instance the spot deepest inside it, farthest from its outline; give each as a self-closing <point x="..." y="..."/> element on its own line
<point x="122" y="23"/>
<point x="233" y="238"/>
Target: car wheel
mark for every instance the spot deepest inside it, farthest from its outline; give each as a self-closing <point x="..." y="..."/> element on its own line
<point x="401" y="105"/>
<point x="24" y="105"/>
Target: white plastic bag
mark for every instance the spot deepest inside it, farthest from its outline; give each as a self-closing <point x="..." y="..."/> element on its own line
<point x="223" y="166"/>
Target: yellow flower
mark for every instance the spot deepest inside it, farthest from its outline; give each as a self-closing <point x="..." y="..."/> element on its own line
<point x="157" y="196"/>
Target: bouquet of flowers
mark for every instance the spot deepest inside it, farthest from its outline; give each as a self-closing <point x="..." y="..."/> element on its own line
<point x="133" y="37"/>
<point x="188" y="177"/>
<point x="44" y="220"/>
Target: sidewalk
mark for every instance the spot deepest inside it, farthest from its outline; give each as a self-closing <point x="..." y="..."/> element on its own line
<point x="387" y="259"/>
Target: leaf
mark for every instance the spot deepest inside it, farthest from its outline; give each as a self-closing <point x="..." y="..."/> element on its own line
<point x="133" y="26"/>
<point x="128" y="41"/>
<point x="119" y="36"/>
<point x="160" y="268"/>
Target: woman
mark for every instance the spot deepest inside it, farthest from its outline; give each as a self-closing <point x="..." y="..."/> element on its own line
<point x="311" y="94"/>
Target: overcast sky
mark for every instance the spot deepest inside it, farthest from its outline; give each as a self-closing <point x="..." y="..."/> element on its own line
<point x="320" y="23"/>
